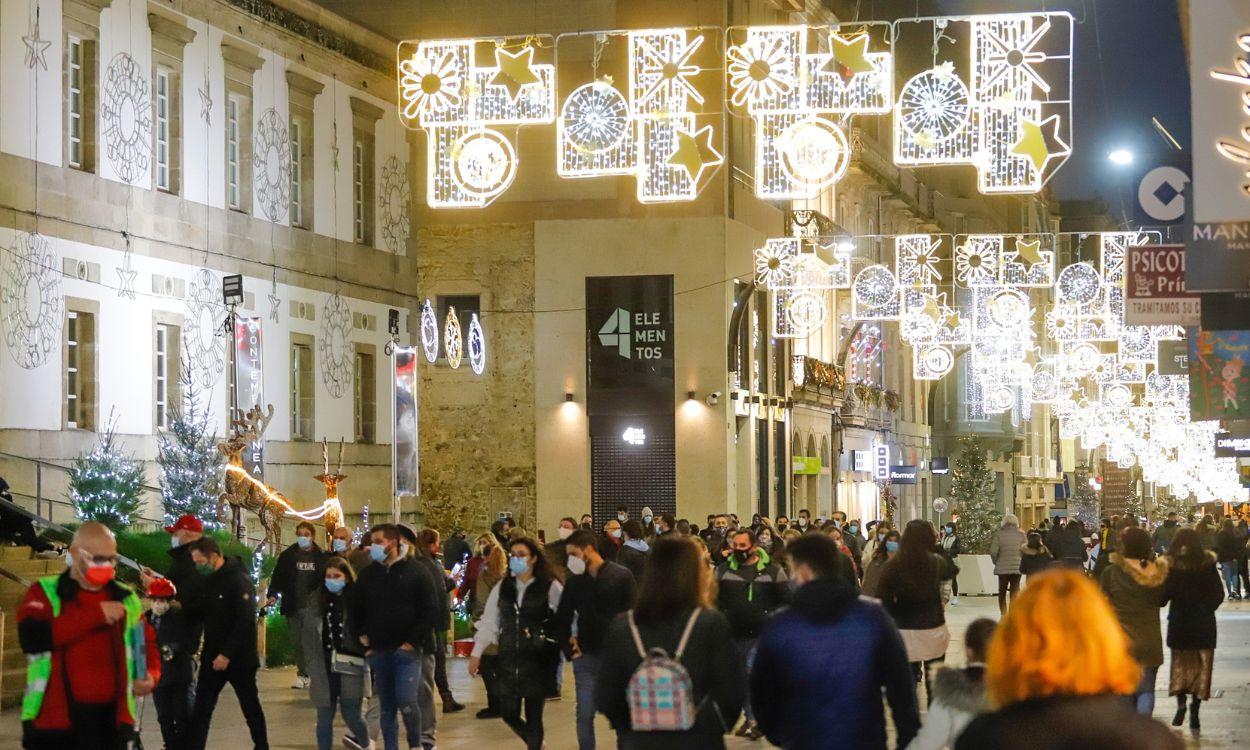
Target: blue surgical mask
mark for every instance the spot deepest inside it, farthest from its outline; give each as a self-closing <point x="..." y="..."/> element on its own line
<point x="518" y="565"/>
<point x="304" y="542"/>
<point x="891" y="546"/>
<point x="646" y="519"/>
<point x="335" y="585"/>
<point x="377" y="552"/>
<point x="174" y="542"/>
<point x="69" y="560"/>
<point x="854" y="529"/>
<point x="615" y="533"/>
<point x="339" y="545"/>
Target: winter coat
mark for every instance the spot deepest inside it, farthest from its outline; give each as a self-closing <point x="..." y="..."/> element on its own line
<point x="915" y="603"/>
<point x="594" y="601"/>
<point x="822" y="664"/>
<point x="749" y="594"/>
<point x="1136" y="593"/>
<point x="296" y="577"/>
<point x="1034" y="560"/>
<point x="226" y="607"/>
<point x="395" y="604"/>
<point x="1106" y="722"/>
<point x="958" y="698"/>
<point x="1207" y="536"/>
<point x="872" y="575"/>
<point x="1226" y="546"/>
<point x="1067" y="546"/>
<point x="717" y="678"/>
<point x="633" y="555"/>
<point x="1005" y="550"/>
<point x="1164" y="534"/>
<point x="442" y="591"/>
<point x="351" y="687"/>
<point x="178" y="639"/>
<point x="1194" y="595"/>
<point x="951" y="546"/>
<point x="529" y="653"/>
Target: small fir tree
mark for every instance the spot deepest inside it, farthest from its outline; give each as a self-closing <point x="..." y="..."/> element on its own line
<point x="189" y="460"/>
<point x="1084" y="505"/>
<point x="1134" y="507"/>
<point x="106" y="485"/>
<point x="972" y="496"/>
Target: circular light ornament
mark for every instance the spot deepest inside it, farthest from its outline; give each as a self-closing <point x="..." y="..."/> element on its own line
<point x="874" y="286"/>
<point x="806" y="312"/>
<point x="595" y="118"/>
<point x="453" y="340"/>
<point x="938" y="361"/>
<point x="477" y="346"/>
<point x="1000" y="399"/>
<point x="1119" y="395"/>
<point x="429" y="332"/>
<point x="483" y="163"/>
<point x="1045" y="385"/>
<point x="1084" y="359"/>
<point x="1079" y="284"/>
<point x="1008" y="308"/>
<point x="933" y="106"/>
<point x="814" y="153"/>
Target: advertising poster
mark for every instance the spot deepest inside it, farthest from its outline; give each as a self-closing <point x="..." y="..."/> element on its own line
<point x="405" y="442"/>
<point x="1219" y="379"/>
<point x="1155" y="291"/>
<point x="249" y="385"/>
<point x="629" y="345"/>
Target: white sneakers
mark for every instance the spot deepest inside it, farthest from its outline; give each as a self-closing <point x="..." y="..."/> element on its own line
<point x="301" y="683"/>
<point x="954" y="601"/>
<point x="350" y="743"/>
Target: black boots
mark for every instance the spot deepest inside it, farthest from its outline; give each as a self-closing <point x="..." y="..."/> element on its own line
<point x="1194" y="725"/>
<point x="1179" y="718"/>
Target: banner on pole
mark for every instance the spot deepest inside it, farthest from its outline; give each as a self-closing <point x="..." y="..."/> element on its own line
<point x="404" y="441"/>
<point x="249" y="385"/>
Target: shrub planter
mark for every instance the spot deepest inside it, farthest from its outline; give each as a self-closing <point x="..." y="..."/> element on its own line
<point x="976" y="575"/>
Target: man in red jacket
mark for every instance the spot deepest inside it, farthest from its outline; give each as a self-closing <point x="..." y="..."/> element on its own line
<point x="89" y="651"/>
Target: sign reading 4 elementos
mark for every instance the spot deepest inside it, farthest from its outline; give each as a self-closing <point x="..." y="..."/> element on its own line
<point x="629" y="345"/>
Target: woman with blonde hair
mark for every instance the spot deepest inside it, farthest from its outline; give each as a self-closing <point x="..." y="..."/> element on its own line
<point x="485" y="569"/>
<point x="1058" y="670"/>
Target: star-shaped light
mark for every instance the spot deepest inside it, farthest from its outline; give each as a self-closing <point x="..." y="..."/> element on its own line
<point x="952" y="319"/>
<point x="126" y="280"/>
<point x="206" y="102"/>
<point x="931" y="309"/>
<point x="275" y="304"/>
<point x="695" y="152"/>
<point x="36" y="48"/>
<point x="1033" y="141"/>
<point x="1027" y="252"/>
<point x="334" y="147"/>
<point x="850" y="56"/>
<point x="515" y="72"/>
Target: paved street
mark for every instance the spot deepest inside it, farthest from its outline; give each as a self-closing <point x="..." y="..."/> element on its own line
<point x="291" y="717"/>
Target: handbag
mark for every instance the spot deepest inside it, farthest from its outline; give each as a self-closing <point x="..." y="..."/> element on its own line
<point x="346" y="664"/>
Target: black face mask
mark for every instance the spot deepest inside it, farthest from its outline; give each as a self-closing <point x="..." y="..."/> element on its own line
<point x="741" y="556"/>
<point x="782" y="527"/>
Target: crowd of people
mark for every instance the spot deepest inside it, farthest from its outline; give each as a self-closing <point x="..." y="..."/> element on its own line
<point x="677" y="635"/>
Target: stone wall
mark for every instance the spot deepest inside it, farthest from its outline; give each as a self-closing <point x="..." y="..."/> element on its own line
<point x="477" y="432"/>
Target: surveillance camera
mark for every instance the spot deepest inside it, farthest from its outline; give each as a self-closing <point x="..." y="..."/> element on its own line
<point x="713" y="398"/>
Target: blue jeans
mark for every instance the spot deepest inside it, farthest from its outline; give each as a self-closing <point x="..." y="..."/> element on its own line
<point x="351" y="717"/>
<point x="745" y="648"/>
<point x="585" y="671"/>
<point x="1144" y="695"/>
<point x="396" y="678"/>
<point x="1232" y="582"/>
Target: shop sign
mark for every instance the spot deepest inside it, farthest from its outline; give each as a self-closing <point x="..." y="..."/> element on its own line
<point x="1219" y="33"/>
<point x="629" y="345"/>
<point x="904" y="474"/>
<point x="940" y="466"/>
<point x="861" y="460"/>
<point x="1232" y="445"/>
<point x="881" y="462"/>
<point x="806" y="465"/>
<point x="1155" y="287"/>
<point x="249" y="385"/>
<point x="1173" y="358"/>
<point x="404" y="446"/>
<point x="1219" y="379"/>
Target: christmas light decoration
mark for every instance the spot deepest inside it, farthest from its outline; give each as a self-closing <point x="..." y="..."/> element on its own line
<point x="476" y="346"/>
<point x="429" y="332"/>
<point x="106" y="485"/>
<point x="997" y="110"/>
<point x="453" y="342"/>
<point x="875" y="295"/>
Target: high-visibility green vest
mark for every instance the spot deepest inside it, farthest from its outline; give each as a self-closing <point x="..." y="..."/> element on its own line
<point x="39" y="666"/>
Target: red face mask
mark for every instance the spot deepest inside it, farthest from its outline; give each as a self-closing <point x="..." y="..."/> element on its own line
<point x="99" y="575"/>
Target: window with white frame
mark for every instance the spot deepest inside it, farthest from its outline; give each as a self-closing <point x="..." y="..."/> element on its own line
<point x="297" y="173"/>
<point x="358" y="190"/>
<point x="75" y="100"/>
<point x="303" y="388"/>
<point x="80" y="54"/>
<point x="161" y="133"/>
<point x="364" y="396"/>
<point x="302" y="92"/>
<point x="80" y="375"/>
<point x="234" y="172"/>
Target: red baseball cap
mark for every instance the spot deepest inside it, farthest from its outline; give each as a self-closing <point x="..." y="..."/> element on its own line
<point x="162" y="588"/>
<point x="188" y="522"/>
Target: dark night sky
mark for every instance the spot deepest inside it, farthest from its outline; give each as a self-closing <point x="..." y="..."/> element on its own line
<point x="1129" y="65"/>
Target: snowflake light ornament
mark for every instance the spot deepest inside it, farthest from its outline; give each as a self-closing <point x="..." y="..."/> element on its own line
<point x="429" y="332"/>
<point x="32" y="306"/>
<point x="775" y="262"/>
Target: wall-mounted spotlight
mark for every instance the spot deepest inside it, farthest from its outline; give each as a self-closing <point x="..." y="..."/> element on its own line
<point x="690" y="395"/>
<point x="568" y="397"/>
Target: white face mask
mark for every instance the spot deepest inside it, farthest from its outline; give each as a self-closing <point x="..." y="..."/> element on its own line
<point x="576" y="565"/>
<point x="564" y="533"/>
<point x="403" y="550"/>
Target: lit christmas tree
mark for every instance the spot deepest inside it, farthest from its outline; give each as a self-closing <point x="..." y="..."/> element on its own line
<point x="1134" y="507"/>
<point x="106" y="484"/>
<point x="972" y="497"/>
<point x="1084" y="505"/>
<point x="189" y="460"/>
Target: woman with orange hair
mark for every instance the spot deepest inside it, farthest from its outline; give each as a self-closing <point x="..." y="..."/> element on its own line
<point x="1058" y="670"/>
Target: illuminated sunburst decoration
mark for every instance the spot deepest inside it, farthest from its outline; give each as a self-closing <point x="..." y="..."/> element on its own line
<point x="977" y="260"/>
<point x="393" y="197"/>
<point x="31" y="303"/>
<point x="126" y="114"/>
<point x="461" y="104"/>
<point x="1005" y="109"/>
<point x="793" y="96"/>
<point x="335" y="346"/>
<point x="204" y="349"/>
<point x="271" y="163"/>
<point x="798" y="275"/>
<point x="429" y="332"/>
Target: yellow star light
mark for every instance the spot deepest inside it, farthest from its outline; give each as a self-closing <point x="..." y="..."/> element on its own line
<point x="1027" y="252"/>
<point x="849" y="54"/>
<point x="1032" y="143"/>
<point x="931" y="310"/>
<point x="695" y="152"/>
<point x="515" y="72"/>
<point x="952" y="319"/>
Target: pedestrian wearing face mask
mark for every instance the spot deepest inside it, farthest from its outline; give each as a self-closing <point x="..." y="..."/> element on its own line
<point x="519" y="618"/>
<point x="341" y="546"/>
<point x="855" y="543"/>
<point x="751" y="587"/>
<point x="177" y="642"/>
<point x="296" y="577"/>
<point x="227" y="609"/>
<point x="612" y="540"/>
<point x="633" y="553"/>
<point x="951" y="549"/>
<point x="83" y="633"/>
<point x="555" y="552"/>
<point x="804" y="522"/>
<point x="715" y="537"/>
<point x="648" y="524"/>
<point x="393" y="612"/>
<point x="595" y="592"/>
<point x="882" y="553"/>
<point x="337" y="668"/>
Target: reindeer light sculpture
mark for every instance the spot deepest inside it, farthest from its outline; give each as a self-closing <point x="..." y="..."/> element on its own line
<point x="333" y="509"/>
<point x="242" y="490"/>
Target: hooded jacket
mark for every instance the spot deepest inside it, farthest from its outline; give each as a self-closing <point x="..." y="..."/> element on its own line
<point x="1194" y="592"/>
<point x="822" y="663"/>
<point x="1135" y="588"/>
<point x="1106" y="722"/>
<point x="1005" y="550"/>
<point x="958" y="698"/>
<point x="750" y="593"/>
